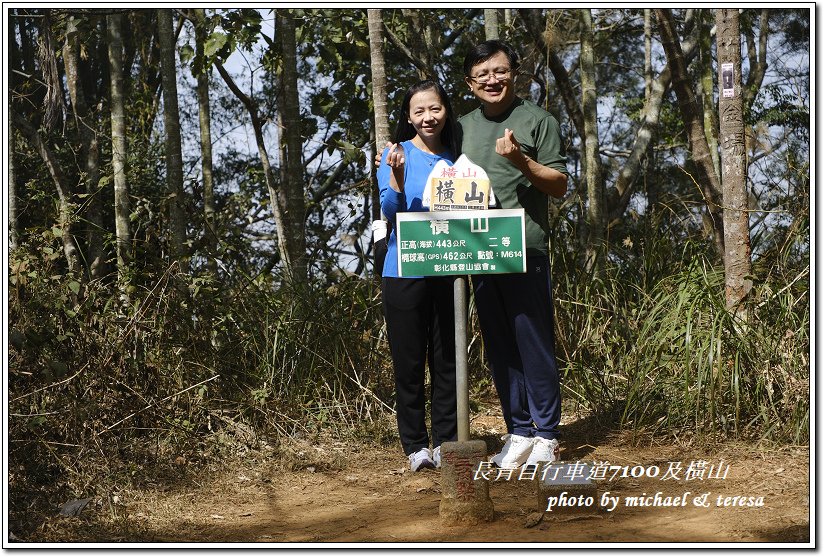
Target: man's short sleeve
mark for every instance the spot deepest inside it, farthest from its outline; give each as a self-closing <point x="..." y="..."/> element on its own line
<point x="549" y="144"/>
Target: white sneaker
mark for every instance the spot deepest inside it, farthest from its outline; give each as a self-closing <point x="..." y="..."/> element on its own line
<point x="420" y="460"/>
<point x="436" y="456"/>
<point x="515" y="452"/>
<point x="544" y="450"/>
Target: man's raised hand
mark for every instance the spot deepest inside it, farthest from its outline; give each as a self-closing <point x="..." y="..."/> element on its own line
<point x="507" y="146"/>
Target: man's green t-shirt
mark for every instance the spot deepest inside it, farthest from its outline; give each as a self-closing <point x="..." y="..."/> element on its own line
<point x="539" y="134"/>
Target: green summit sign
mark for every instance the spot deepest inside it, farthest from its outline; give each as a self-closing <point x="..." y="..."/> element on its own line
<point x="461" y="242"/>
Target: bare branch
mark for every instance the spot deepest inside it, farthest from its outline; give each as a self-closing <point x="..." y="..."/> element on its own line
<point x="418" y="63"/>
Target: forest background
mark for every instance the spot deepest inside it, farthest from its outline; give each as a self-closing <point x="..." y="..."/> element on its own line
<point x="190" y="193"/>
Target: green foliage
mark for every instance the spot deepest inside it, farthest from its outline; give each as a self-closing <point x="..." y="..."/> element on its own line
<point x="229" y="30"/>
<point x="775" y="106"/>
<point x="182" y="360"/>
<point x="654" y="342"/>
<point x="700" y="369"/>
<point x="313" y="355"/>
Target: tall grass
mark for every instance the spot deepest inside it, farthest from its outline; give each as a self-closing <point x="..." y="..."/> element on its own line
<point x="653" y="344"/>
<point x="650" y="342"/>
<point x="318" y="355"/>
<point x="97" y="385"/>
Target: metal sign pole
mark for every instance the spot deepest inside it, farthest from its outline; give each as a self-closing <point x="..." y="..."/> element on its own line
<point x="454" y="238"/>
<point x="464" y="496"/>
<point x="461" y="364"/>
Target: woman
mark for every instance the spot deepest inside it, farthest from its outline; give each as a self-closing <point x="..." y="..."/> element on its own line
<point x="419" y="311"/>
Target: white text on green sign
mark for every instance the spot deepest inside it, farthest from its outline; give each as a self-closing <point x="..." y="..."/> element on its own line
<point x="461" y="242"/>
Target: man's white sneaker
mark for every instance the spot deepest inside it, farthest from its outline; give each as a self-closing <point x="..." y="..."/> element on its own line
<point x="544" y="450"/>
<point x="515" y="452"/>
<point x="420" y="460"/>
<point x="436" y="456"/>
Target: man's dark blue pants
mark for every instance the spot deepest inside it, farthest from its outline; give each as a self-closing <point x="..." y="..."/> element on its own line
<point x="516" y="317"/>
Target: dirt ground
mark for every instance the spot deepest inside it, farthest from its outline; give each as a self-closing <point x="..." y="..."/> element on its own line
<point x="333" y="492"/>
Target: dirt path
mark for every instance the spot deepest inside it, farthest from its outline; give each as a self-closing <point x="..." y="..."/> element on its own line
<point x="340" y="494"/>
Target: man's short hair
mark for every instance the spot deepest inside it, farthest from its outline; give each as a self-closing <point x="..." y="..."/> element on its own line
<point x="486" y="50"/>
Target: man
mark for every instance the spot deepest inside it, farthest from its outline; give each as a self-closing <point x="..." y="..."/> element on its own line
<point x="519" y="146"/>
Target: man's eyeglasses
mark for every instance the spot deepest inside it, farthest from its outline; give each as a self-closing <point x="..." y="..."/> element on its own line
<point x="483" y="79"/>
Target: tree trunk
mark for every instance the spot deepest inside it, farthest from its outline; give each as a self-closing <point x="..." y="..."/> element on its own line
<point x="757" y="60"/>
<point x="122" y="209"/>
<point x="531" y="18"/>
<point x="375" y="201"/>
<point x="596" y="213"/>
<point x="275" y="195"/>
<point x="171" y="123"/>
<point x="628" y="174"/>
<point x="647" y="54"/>
<point x="648" y="154"/>
<point x="737" y="263"/>
<point x="539" y="28"/>
<point x="491" y="28"/>
<point x="13" y="232"/>
<point x="705" y="177"/>
<point x="707" y="82"/>
<point x="292" y="149"/>
<point x="423" y="45"/>
<point x="378" y="66"/>
<point x="54" y="106"/>
<point x="16" y="24"/>
<point x="650" y="117"/>
<point x="205" y="118"/>
<point x="87" y="131"/>
<point x="61" y="183"/>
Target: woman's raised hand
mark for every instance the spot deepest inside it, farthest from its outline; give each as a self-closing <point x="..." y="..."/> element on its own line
<point x="396" y="160"/>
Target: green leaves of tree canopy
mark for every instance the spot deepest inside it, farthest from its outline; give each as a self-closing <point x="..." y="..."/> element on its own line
<point x="775" y="106"/>
<point x="227" y="30"/>
<point x="215" y="44"/>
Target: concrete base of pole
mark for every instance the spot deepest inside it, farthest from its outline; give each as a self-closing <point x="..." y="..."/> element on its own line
<point x="463" y="498"/>
<point x="565" y="488"/>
